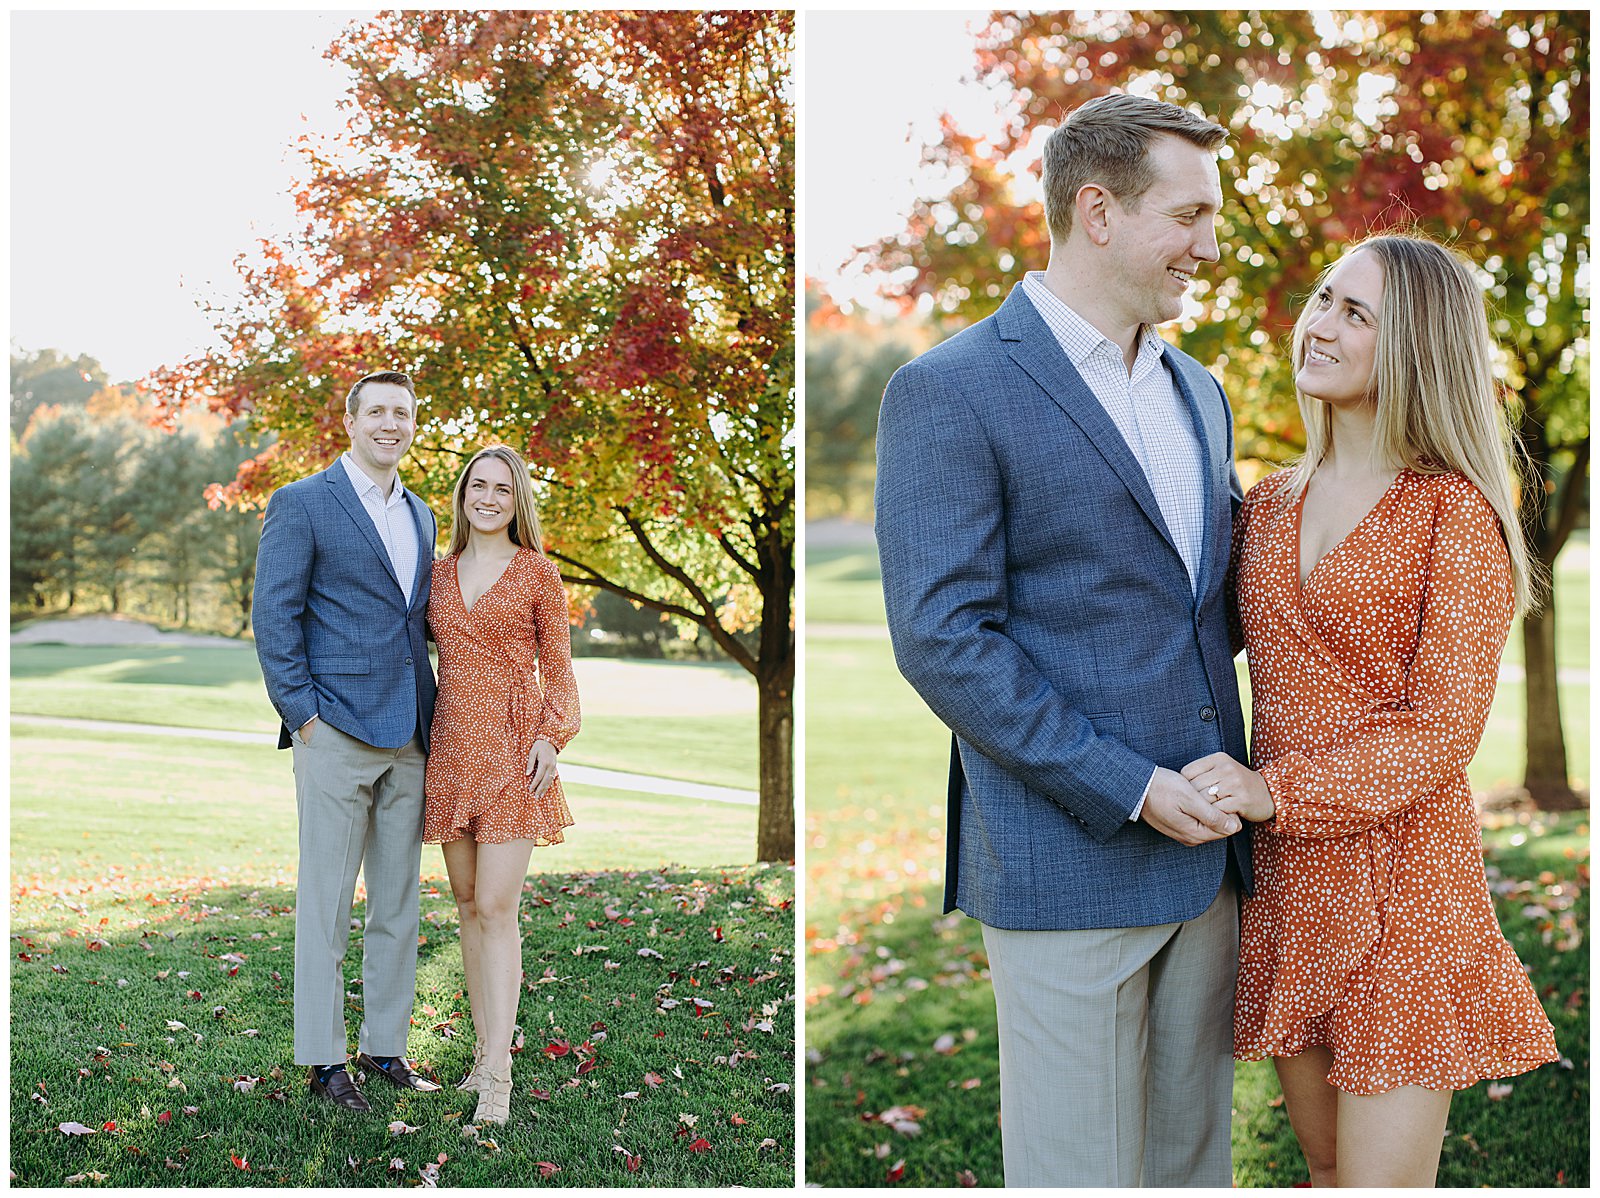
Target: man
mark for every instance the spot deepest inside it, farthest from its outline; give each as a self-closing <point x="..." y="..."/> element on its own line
<point x="1054" y="504"/>
<point x="341" y="597"/>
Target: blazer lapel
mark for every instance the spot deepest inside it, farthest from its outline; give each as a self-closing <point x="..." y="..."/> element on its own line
<point x="345" y="493"/>
<point x="1034" y="348"/>
<point x="1204" y="433"/>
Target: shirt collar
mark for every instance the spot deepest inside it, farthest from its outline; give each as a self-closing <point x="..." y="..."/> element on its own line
<point x="1078" y="338"/>
<point x="364" y="485"/>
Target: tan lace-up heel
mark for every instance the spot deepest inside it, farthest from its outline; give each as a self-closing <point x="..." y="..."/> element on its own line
<point x="494" y="1097"/>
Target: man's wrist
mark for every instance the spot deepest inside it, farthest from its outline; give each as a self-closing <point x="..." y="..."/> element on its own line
<point x="1138" y="808"/>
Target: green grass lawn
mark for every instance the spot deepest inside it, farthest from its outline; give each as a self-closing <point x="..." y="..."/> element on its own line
<point x="221" y="688"/>
<point x="138" y="863"/>
<point x="888" y="976"/>
<point x="142" y="866"/>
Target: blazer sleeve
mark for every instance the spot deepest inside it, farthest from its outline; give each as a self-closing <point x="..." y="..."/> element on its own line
<point x="1399" y="753"/>
<point x="283" y="578"/>
<point x="559" y="716"/>
<point x="941" y="533"/>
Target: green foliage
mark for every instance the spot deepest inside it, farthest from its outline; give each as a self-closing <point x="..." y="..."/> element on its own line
<point x="848" y="363"/>
<point x="50" y="379"/>
<point x="72" y="499"/>
<point x="109" y="512"/>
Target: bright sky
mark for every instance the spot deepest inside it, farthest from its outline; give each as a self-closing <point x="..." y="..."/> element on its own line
<point x="876" y="85"/>
<point x="148" y="149"/>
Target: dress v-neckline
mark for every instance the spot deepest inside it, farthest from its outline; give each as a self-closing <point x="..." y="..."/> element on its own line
<point x="1304" y="580"/>
<point x="462" y="595"/>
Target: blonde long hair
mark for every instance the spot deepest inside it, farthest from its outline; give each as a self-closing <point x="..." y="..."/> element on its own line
<point x="524" y="528"/>
<point x="1438" y="409"/>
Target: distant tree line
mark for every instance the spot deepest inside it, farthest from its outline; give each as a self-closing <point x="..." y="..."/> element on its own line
<point x="110" y="514"/>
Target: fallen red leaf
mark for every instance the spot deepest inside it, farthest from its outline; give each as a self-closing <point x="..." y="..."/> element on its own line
<point x="591" y="1063"/>
<point x="547" y="1168"/>
<point x="897" y="1171"/>
<point x="109" y="1125"/>
<point x="558" y="1048"/>
<point x="737" y="1120"/>
<point x="700" y="1145"/>
<point x="652" y="1080"/>
<point x="239" y="1162"/>
<point x="633" y="1162"/>
<point x="164" y="1117"/>
<point x="967" y="1179"/>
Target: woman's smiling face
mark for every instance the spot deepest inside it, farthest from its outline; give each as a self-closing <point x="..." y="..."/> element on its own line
<point x="1341" y="337"/>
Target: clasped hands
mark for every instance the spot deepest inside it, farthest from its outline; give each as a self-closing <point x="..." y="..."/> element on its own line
<point x="1207" y="800"/>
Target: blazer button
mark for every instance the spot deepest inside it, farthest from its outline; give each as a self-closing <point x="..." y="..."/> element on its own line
<point x="408" y="662"/>
<point x="1208" y="713"/>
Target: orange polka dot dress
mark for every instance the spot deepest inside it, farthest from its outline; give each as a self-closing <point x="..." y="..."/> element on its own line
<point x="1371" y="930"/>
<point x="505" y="681"/>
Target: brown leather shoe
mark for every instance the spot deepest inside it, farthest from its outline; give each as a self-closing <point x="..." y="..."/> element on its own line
<point x="341" y="1090"/>
<point x="400" y="1074"/>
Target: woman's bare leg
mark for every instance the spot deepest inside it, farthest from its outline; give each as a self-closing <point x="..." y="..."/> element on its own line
<point x="502" y="869"/>
<point x="461" y="863"/>
<point x="1313" y="1107"/>
<point x="1392" y="1139"/>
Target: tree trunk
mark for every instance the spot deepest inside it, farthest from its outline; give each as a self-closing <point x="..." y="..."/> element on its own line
<point x="775" y="666"/>
<point x="1546" y="776"/>
<point x="775" y="717"/>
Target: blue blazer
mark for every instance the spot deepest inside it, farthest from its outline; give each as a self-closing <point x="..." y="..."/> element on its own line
<point x="334" y="633"/>
<point x="1037" y="603"/>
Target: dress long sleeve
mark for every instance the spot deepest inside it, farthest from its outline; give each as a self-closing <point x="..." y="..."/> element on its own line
<point x="1402" y="750"/>
<point x="559" y="716"/>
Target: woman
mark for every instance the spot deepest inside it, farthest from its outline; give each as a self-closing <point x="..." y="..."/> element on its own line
<point x="1377" y="581"/>
<point x="507" y="705"/>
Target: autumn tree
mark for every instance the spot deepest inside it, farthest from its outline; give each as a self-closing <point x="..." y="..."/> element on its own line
<point x="575" y="230"/>
<point x="1471" y="126"/>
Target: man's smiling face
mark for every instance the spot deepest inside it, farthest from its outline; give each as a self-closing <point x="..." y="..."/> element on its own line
<point x="1161" y="239"/>
<point x="381" y="428"/>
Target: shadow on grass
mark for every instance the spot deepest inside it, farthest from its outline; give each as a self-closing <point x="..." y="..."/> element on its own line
<point x="164" y="1023"/>
<point x="147" y="664"/>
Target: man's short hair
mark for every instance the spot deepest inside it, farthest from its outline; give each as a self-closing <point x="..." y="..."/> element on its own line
<point x="1107" y="141"/>
<point x="379" y="376"/>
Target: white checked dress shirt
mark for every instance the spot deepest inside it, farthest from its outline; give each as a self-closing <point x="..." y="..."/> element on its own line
<point x="1149" y="412"/>
<point x="392" y="518"/>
